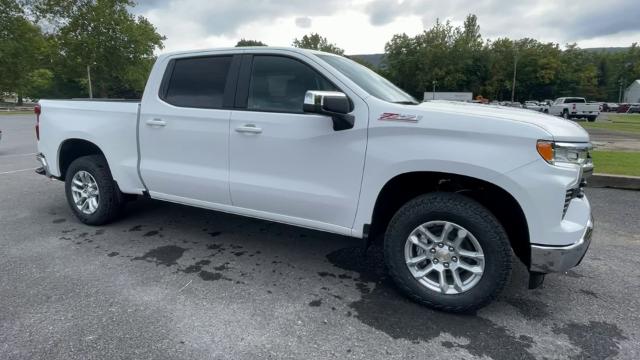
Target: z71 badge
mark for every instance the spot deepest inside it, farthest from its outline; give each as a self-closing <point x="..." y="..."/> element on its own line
<point x="400" y="117"/>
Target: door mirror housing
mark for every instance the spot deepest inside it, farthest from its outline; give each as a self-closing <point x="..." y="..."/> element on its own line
<point x="332" y="103"/>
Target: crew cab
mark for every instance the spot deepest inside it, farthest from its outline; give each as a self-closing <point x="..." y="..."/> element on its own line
<point x="574" y="107"/>
<point x="450" y="190"/>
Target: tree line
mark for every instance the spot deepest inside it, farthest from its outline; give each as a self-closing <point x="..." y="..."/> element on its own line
<point x="458" y="59"/>
<point x="49" y="49"/>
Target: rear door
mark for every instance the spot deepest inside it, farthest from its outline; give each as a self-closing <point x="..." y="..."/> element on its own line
<point x="184" y="130"/>
<point x="288" y="165"/>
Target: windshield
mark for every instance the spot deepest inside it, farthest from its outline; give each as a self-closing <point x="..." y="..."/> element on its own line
<point x="368" y="80"/>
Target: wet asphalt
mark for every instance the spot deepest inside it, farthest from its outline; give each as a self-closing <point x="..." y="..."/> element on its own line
<point x="173" y="282"/>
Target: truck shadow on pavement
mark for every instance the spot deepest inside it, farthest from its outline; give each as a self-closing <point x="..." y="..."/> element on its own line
<point x="217" y="242"/>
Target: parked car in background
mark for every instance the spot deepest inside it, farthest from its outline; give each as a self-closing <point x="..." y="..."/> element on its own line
<point x="623" y="108"/>
<point x="532" y="105"/>
<point x="545" y="105"/>
<point x="574" y="108"/>
<point x="264" y="132"/>
<point x="634" y="109"/>
<point x="513" y="104"/>
<point x="600" y="105"/>
<point x="610" y="107"/>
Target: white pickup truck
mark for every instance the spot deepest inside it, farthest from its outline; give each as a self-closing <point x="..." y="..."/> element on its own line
<point x="318" y="141"/>
<point x="574" y="107"/>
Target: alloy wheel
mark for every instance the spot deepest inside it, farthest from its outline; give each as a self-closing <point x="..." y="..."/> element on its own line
<point x="444" y="257"/>
<point x="86" y="194"/>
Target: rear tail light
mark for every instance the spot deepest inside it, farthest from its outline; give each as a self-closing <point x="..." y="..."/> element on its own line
<point x="37" y="110"/>
<point x="574" y="107"/>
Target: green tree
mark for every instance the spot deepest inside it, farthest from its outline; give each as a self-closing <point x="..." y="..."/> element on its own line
<point x="22" y="47"/>
<point x="316" y="42"/>
<point x="116" y="46"/>
<point x="103" y="35"/>
<point x="246" y="42"/>
<point x="458" y="59"/>
<point x="538" y="69"/>
<point x="443" y="54"/>
<point x="40" y="84"/>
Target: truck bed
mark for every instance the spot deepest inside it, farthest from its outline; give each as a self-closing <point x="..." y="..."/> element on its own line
<point x="109" y="124"/>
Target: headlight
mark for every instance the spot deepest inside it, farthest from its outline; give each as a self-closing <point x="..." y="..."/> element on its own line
<point x="558" y="153"/>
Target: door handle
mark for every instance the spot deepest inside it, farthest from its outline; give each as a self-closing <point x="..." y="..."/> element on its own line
<point x="156" y="122"/>
<point x="249" y="128"/>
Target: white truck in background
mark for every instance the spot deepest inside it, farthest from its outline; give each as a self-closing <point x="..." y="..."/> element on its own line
<point x="574" y="108"/>
<point x="316" y="140"/>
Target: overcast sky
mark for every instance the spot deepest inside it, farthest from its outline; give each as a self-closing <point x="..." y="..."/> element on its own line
<point x="364" y="26"/>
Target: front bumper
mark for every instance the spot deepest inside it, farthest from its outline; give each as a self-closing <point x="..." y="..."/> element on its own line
<point x="548" y="259"/>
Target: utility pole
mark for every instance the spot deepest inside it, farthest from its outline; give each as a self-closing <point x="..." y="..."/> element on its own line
<point x="620" y="82"/>
<point x="513" y="83"/>
<point x="435" y="82"/>
<point x="89" y="78"/>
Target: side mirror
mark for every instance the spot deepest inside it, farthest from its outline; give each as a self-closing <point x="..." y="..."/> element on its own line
<point x="332" y="103"/>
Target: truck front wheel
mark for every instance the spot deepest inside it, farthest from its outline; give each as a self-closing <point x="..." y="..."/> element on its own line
<point x="91" y="192"/>
<point x="448" y="252"/>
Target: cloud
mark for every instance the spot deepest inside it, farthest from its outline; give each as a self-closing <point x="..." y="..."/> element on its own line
<point x="303" y="22"/>
<point x="556" y="20"/>
<point x="369" y="24"/>
<point x="597" y="19"/>
<point x="225" y="17"/>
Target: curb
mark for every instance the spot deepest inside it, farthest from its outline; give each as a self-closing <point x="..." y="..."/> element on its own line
<point x="614" y="181"/>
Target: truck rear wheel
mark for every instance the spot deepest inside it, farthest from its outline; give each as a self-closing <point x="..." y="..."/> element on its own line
<point x="448" y="252"/>
<point x="91" y="192"/>
<point x="565" y="114"/>
<point x="591" y="118"/>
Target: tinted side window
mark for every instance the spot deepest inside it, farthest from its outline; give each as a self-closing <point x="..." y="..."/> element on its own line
<point x="198" y="82"/>
<point x="280" y="83"/>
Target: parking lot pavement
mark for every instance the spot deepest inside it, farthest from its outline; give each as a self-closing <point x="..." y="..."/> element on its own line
<point x="169" y="281"/>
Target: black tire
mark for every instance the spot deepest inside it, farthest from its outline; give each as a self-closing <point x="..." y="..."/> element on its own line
<point x="110" y="201"/>
<point x="467" y="213"/>
<point x="565" y="114"/>
<point x="591" y="118"/>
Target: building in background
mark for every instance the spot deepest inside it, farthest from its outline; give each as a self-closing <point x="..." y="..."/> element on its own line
<point x="632" y="93"/>
<point x="453" y="96"/>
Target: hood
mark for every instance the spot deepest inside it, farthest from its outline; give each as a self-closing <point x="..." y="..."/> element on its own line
<point x="559" y="128"/>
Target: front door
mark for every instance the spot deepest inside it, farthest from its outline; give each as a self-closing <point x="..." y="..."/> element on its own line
<point x="290" y="165"/>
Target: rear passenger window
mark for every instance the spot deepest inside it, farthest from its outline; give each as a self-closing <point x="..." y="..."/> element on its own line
<point x="198" y="82"/>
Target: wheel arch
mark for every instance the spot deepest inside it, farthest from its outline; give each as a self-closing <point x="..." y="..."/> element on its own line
<point x="72" y="149"/>
<point x="403" y="187"/>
